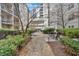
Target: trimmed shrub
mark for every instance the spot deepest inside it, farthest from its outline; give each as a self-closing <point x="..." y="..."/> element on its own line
<point x="71" y="44"/>
<point x="9" y="45"/>
<point x="60" y="31"/>
<point x="48" y="30"/>
<point x="73" y="33"/>
<point x="29" y="31"/>
<point x="5" y="32"/>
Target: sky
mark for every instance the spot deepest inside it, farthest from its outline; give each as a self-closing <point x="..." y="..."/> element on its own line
<point x="32" y="5"/>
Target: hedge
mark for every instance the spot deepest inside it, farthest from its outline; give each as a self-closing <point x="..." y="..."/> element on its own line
<point x="73" y="33"/>
<point x="70" y="32"/>
<point x="9" y="45"/>
<point x="48" y="30"/>
<point x="74" y="45"/>
<point x="6" y="32"/>
<point x="30" y="31"/>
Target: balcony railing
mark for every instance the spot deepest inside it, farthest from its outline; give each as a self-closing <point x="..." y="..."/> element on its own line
<point x="6" y="21"/>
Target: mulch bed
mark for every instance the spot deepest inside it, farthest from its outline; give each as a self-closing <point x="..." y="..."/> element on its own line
<point x="21" y="47"/>
<point x="58" y="48"/>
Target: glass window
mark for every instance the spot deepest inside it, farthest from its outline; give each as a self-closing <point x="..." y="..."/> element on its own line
<point x="71" y="17"/>
<point x="70" y="6"/>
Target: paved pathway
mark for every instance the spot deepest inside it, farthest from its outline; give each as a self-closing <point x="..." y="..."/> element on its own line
<point x="37" y="46"/>
<point x="58" y="48"/>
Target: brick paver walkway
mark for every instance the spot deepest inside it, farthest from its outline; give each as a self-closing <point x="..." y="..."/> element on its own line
<point x="37" y="46"/>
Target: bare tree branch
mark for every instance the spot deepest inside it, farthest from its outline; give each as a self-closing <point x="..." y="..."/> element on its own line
<point x="18" y="14"/>
<point x="29" y="19"/>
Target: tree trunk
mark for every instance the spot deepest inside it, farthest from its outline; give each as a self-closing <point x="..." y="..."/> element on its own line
<point x="18" y="13"/>
<point x="62" y="16"/>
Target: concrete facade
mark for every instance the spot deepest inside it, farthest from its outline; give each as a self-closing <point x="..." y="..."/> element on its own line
<point x="38" y="20"/>
<point x="8" y="16"/>
<point x="71" y="15"/>
<point x="70" y="12"/>
<point x="49" y="16"/>
<point x="55" y="15"/>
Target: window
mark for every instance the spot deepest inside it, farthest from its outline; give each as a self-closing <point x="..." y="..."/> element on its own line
<point x="41" y="5"/>
<point x="2" y="17"/>
<point x="70" y="6"/>
<point x="41" y="13"/>
<point x="2" y="5"/>
<point x="41" y="9"/>
<point x="71" y="17"/>
<point x="71" y="26"/>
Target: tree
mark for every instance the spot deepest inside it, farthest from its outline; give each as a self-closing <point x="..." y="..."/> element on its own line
<point x="58" y="12"/>
<point x="30" y="19"/>
<point x="18" y="14"/>
<point x="17" y="7"/>
<point x="62" y="15"/>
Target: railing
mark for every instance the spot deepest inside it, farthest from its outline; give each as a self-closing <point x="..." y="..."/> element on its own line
<point x="6" y="21"/>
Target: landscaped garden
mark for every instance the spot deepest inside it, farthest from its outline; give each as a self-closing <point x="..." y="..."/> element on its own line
<point x="70" y="39"/>
<point x="13" y="41"/>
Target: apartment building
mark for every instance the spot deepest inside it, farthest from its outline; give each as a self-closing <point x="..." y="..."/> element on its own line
<point x="56" y="14"/>
<point x="71" y="15"/>
<point x="37" y="17"/>
<point x="8" y="16"/>
<point x="69" y="12"/>
<point x="63" y="13"/>
<point x="49" y="14"/>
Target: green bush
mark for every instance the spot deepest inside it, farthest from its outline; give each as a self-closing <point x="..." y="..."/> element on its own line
<point x="48" y="30"/>
<point x="60" y="31"/>
<point x="74" y="45"/>
<point x="72" y="32"/>
<point x="8" y="46"/>
<point x="29" y="31"/>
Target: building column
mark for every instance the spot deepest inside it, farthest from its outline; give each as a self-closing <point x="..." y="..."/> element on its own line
<point x="78" y="17"/>
<point x="0" y="16"/>
<point x="12" y="16"/>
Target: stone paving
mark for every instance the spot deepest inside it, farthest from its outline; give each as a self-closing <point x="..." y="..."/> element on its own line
<point x="37" y="46"/>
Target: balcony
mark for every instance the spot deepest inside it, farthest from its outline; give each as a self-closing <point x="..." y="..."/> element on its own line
<point x="7" y="7"/>
<point x="6" y="22"/>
